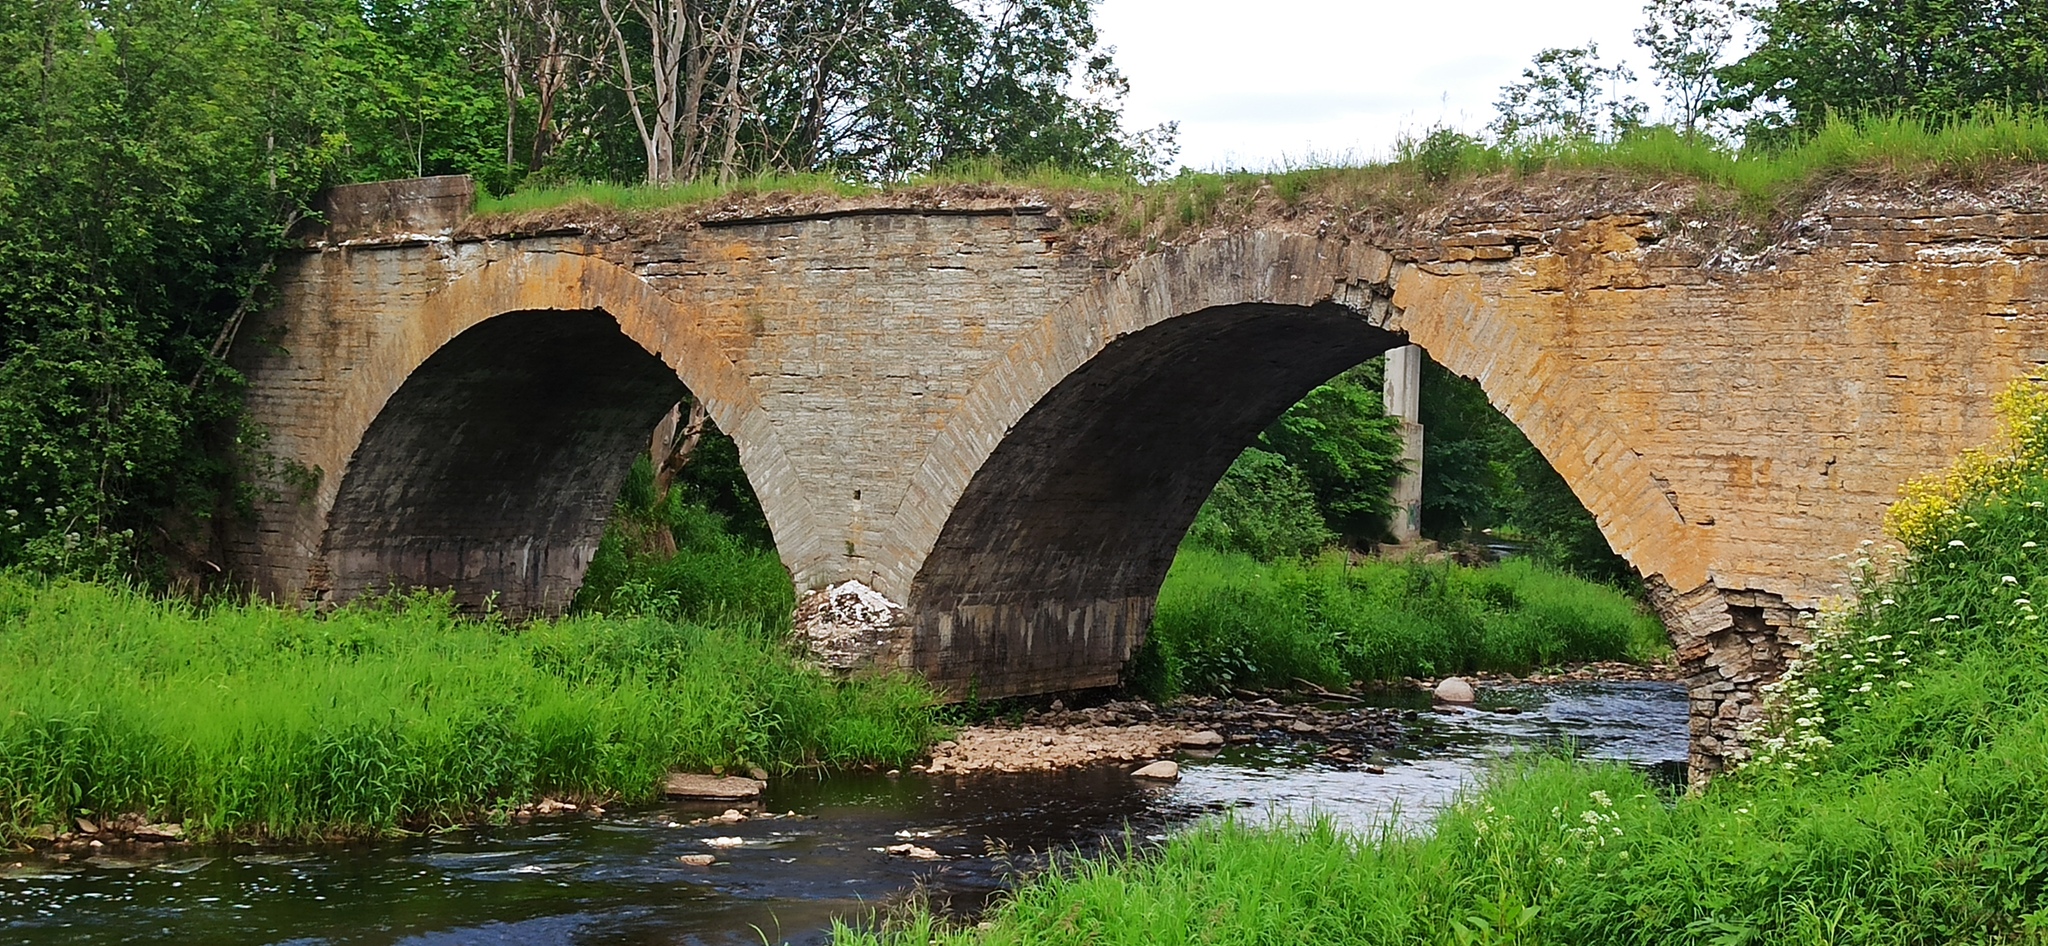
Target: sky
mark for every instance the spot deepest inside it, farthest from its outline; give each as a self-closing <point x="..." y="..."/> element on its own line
<point x="1263" y="83"/>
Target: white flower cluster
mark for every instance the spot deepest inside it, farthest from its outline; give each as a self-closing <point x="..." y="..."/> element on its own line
<point x="1596" y="824"/>
<point x="1844" y="666"/>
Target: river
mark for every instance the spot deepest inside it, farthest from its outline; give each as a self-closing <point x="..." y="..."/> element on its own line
<point x="617" y="879"/>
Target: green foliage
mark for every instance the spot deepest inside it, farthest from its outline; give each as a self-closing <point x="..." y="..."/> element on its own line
<point x="1926" y="62"/>
<point x="255" y="720"/>
<point x="1227" y="620"/>
<point x="1569" y="95"/>
<point x="1347" y="449"/>
<point x="717" y="571"/>
<point x="1322" y="471"/>
<point x="1686" y="40"/>
<point x="1480" y="473"/>
<point x="152" y="155"/>
<point x="1263" y="506"/>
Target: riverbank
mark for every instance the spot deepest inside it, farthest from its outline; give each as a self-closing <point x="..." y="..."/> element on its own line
<point x="1895" y="796"/>
<point x="256" y="722"/>
<point x="1227" y="621"/>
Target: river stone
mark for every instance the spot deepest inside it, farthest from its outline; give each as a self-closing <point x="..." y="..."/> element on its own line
<point x="1206" y="739"/>
<point x="1162" y="769"/>
<point x="696" y="860"/>
<point x="159" y="832"/>
<point x="687" y="785"/>
<point x="1455" y="690"/>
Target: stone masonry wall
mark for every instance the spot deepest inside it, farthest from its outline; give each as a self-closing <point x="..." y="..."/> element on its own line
<point x="1735" y="410"/>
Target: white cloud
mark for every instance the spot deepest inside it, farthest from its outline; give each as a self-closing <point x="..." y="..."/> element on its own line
<point x="1255" y="85"/>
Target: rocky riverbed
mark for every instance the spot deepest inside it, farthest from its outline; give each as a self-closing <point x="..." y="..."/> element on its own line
<point x="1126" y="731"/>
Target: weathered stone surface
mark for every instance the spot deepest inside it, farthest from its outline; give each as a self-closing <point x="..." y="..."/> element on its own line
<point x="849" y="626"/>
<point x="1166" y="769"/>
<point x="1206" y="739"/>
<point x="1454" y="690"/>
<point x="421" y="207"/>
<point x="687" y="785"/>
<point x="158" y="832"/>
<point x="970" y="412"/>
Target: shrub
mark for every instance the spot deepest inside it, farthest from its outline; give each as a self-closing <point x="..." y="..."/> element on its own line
<point x="1225" y="620"/>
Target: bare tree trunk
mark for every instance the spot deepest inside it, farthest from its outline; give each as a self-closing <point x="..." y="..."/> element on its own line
<point x="674" y="440"/>
<point x="735" y="37"/>
<point x="665" y="22"/>
<point x="676" y="455"/>
<point x="550" y="77"/>
<point x="509" y="73"/>
<point x="697" y="66"/>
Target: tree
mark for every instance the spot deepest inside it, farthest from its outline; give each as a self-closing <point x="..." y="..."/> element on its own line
<point x="1263" y="507"/>
<point x="1928" y="58"/>
<point x="1686" y="40"/>
<point x="152" y="154"/>
<point x="1567" y="94"/>
<point x="1347" y="449"/>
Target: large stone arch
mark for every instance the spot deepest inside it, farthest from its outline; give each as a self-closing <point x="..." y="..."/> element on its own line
<point x="1041" y="523"/>
<point x="612" y="352"/>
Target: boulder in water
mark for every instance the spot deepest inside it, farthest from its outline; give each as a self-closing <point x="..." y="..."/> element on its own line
<point x="1455" y="690"/>
<point x="1165" y="769"/>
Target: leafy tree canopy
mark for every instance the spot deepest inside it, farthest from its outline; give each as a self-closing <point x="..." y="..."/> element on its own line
<point x="1929" y="58"/>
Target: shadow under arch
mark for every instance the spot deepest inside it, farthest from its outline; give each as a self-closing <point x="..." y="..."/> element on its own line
<point x="1047" y="570"/>
<point x="490" y="470"/>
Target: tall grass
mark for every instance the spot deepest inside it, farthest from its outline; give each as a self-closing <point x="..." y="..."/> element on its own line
<point x="1225" y="619"/>
<point x="1899" y="798"/>
<point x="256" y="720"/>
<point x="1760" y="179"/>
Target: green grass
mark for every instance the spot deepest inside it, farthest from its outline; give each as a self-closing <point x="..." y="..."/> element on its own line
<point x="1226" y="619"/>
<point x="713" y="575"/>
<point x="250" y="720"/>
<point x="1759" y="181"/>
<point x="1900" y="797"/>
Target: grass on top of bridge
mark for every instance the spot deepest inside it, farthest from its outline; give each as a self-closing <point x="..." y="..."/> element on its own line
<point x="1756" y="182"/>
<point x="1897" y="797"/>
<point x="249" y="720"/>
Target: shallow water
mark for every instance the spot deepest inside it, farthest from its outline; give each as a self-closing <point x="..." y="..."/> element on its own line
<point x="616" y="879"/>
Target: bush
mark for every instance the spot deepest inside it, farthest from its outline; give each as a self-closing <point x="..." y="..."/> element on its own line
<point x="1227" y="620"/>
<point x="1263" y="507"/>
<point x="717" y="570"/>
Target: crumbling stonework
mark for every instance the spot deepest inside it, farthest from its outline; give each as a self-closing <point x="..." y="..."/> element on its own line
<point x="850" y="626"/>
<point x="970" y="410"/>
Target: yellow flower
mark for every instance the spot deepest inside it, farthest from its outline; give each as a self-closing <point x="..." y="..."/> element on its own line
<point x="1927" y="503"/>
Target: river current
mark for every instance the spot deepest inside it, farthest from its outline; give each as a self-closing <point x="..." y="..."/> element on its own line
<point x="618" y="879"/>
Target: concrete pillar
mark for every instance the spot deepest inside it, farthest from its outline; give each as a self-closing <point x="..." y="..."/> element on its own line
<point x="1403" y="396"/>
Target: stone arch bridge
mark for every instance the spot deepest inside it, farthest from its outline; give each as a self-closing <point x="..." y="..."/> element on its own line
<point x="983" y="415"/>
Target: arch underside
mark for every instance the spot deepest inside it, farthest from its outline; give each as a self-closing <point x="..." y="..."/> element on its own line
<point x="491" y="470"/>
<point x="1044" y="576"/>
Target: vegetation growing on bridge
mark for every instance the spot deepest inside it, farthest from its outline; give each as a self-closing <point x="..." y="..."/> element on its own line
<point x="1756" y="184"/>
<point x="249" y="720"/>
<point x="1896" y="798"/>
